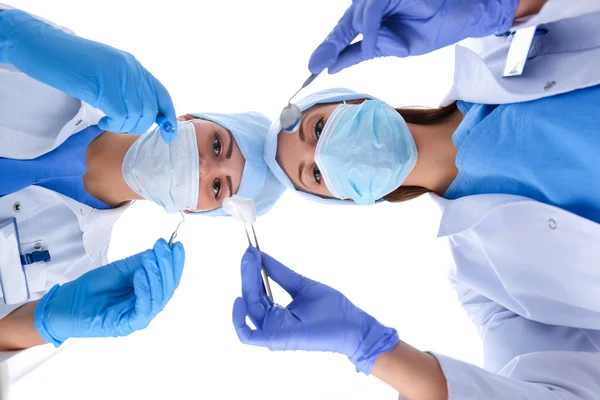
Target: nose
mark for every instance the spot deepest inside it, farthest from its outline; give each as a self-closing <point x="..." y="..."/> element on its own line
<point x="204" y="167"/>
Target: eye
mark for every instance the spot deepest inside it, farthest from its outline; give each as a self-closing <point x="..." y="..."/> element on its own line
<point x="217" y="188"/>
<point x="217" y="146"/>
<point x="316" y="174"/>
<point x="319" y="128"/>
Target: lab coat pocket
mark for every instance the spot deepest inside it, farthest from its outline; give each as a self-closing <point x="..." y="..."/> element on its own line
<point x="37" y="273"/>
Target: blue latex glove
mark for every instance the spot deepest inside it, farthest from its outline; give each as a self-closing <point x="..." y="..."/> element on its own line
<point x="114" y="300"/>
<point x="319" y="318"/>
<point x="102" y="76"/>
<point x="405" y="28"/>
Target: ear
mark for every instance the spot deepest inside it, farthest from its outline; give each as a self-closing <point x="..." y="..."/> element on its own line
<point x="186" y="117"/>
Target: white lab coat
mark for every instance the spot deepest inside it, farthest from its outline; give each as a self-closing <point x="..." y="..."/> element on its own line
<point x="565" y="59"/>
<point x="524" y="360"/>
<point x="514" y="258"/>
<point x="527" y="273"/>
<point x="534" y="259"/>
<point x="35" y="119"/>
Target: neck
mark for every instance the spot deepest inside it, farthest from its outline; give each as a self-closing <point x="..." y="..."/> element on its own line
<point x="436" y="165"/>
<point x="103" y="178"/>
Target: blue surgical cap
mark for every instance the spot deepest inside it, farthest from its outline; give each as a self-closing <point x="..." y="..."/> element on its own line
<point x="258" y="183"/>
<point x="335" y="95"/>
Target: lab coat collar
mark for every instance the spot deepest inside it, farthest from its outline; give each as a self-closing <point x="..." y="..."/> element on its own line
<point x="479" y="62"/>
<point x="470" y="67"/>
<point x="96" y="225"/>
<point x="464" y="213"/>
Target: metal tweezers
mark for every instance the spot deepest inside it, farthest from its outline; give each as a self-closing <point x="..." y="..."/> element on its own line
<point x="265" y="276"/>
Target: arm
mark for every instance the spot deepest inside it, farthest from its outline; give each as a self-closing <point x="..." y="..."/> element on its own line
<point x="415" y="374"/>
<point x="109" y="79"/>
<point x="17" y="329"/>
<point x="113" y="300"/>
<point x="538" y="12"/>
<point x="524" y="360"/>
<point x="529" y="7"/>
<point x="421" y="376"/>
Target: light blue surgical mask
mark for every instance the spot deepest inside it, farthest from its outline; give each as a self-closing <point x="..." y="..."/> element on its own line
<point x="365" y="151"/>
<point x="167" y="174"/>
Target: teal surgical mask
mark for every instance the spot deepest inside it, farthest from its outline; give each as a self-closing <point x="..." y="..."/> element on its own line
<point x="365" y="151"/>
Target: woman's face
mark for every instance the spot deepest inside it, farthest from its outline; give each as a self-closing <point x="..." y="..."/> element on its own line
<point x="296" y="151"/>
<point x="221" y="163"/>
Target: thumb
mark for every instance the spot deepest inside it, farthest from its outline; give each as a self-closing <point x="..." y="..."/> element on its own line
<point x="367" y="20"/>
<point x="289" y="280"/>
<point x="341" y="36"/>
<point x="252" y="286"/>
<point x="387" y="44"/>
<point x="111" y="125"/>
<point x="129" y="265"/>
<point x="168" y="128"/>
<point x="139" y="314"/>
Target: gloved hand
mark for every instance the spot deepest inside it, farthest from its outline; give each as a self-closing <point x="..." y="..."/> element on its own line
<point x="113" y="300"/>
<point x="319" y="318"/>
<point x="102" y="76"/>
<point x="405" y="28"/>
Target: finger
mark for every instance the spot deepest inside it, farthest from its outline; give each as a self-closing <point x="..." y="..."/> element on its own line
<point x="120" y="319"/>
<point x="341" y="36"/>
<point x="351" y="55"/>
<point x="166" y="108"/>
<point x="289" y="280"/>
<point x="244" y="332"/>
<point x="110" y="124"/>
<point x="164" y="260"/>
<point x="155" y="281"/>
<point x="388" y="44"/>
<point x="132" y="106"/>
<point x="118" y="111"/>
<point x="369" y="22"/>
<point x="178" y="261"/>
<point x="127" y="124"/>
<point x="143" y="296"/>
<point x="148" y="113"/>
<point x="130" y="264"/>
<point x="252" y="285"/>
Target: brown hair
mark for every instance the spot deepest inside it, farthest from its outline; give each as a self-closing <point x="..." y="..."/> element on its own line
<point x="418" y="116"/>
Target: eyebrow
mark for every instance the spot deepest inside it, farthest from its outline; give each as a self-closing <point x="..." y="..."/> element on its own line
<point x="301" y="131"/>
<point x="300" y="168"/>
<point x="229" y="185"/>
<point x="229" y="150"/>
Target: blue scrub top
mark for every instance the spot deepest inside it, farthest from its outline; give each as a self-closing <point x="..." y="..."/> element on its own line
<point x="60" y="170"/>
<point x="547" y="150"/>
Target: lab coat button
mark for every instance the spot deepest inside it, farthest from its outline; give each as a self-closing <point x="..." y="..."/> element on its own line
<point x="17" y="207"/>
<point x="549" y="85"/>
<point x="552" y="223"/>
<point x="37" y="246"/>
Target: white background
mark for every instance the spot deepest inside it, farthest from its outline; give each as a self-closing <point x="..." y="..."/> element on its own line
<point x="240" y="55"/>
